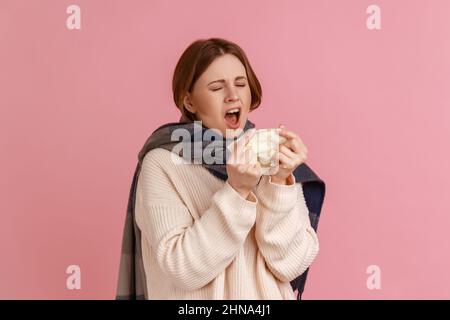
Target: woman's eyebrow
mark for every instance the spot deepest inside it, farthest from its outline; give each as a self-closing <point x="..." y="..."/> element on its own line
<point x="222" y="80"/>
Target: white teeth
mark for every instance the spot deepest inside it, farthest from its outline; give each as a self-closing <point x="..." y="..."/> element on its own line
<point x="233" y="110"/>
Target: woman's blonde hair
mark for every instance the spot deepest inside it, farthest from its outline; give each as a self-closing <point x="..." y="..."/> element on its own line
<point x="196" y="59"/>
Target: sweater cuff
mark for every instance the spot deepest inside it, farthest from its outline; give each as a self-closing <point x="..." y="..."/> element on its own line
<point x="277" y="197"/>
<point x="239" y="201"/>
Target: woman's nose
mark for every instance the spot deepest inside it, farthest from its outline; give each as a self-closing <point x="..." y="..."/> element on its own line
<point x="232" y="94"/>
<point x="232" y="98"/>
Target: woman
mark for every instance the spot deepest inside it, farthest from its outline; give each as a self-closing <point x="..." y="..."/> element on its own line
<point x="211" y="231"/>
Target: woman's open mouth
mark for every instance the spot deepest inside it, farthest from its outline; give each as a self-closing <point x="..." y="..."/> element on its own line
<point x="232" y="118"/>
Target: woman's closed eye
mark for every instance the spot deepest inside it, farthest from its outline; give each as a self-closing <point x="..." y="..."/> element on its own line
<point x="238" y="85"/>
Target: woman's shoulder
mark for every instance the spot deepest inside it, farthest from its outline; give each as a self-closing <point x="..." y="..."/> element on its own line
<point x="162" y="158"/>
<point x="156" y="156"/>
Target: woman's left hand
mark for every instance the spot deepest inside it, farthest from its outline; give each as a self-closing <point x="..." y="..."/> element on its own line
<point x="290" y="155"/>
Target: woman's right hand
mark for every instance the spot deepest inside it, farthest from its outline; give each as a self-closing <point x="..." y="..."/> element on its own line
<point x="243" y="169"/>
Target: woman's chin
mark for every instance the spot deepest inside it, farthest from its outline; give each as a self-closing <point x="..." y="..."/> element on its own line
<point x="233" y="133"/>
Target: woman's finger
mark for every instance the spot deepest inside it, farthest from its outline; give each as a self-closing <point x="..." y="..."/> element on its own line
<point x="247" y="157"/>
<point x="286" y="162"/>
<point x="304" y="156"/>
<point x="294" y="145"/>
<point x="288" y="152"/>
<point x="242" y="168"/>
<point x="238" y="146"/>
<point x="254" y="169"/>
<point x="244" y="139"/>
<point x="289" y="135"/>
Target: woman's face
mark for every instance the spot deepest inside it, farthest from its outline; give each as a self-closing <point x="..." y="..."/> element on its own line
<point x="221" y="88"/>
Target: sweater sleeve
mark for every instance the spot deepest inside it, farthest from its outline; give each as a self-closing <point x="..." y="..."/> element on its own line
<point x="192" y="252"/>
<point x="283" y="231"/>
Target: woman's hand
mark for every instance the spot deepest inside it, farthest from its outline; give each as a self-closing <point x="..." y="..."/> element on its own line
<point x="243" y="169"/>
<point x="290" y="155"/>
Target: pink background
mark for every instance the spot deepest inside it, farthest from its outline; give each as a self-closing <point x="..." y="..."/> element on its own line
<point x="373" y="107"/>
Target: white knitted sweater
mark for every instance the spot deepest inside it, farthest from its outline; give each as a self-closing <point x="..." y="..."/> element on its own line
<point x="202" y="240"/>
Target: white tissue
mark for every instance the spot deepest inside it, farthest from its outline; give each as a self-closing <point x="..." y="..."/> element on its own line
<point x="264" y="145"/>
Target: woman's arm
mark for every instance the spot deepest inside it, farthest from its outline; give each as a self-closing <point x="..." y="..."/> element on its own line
<point x="283" y="231"/>
<point x="191" y="252"/>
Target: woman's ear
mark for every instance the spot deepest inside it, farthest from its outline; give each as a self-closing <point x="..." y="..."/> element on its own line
<point x="187" y="102"/>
